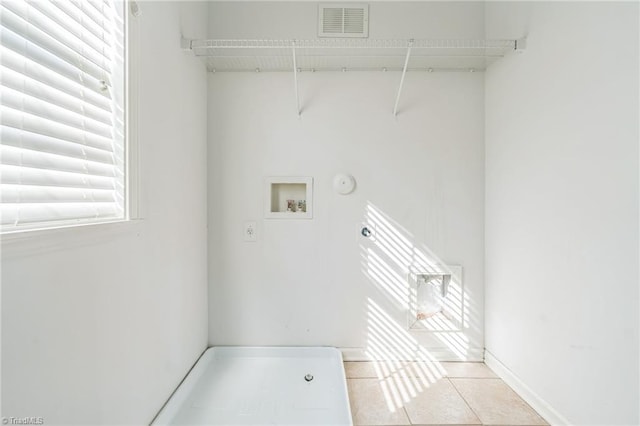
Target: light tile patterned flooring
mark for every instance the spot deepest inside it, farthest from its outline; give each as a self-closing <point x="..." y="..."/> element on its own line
<point x="433" y="393"/>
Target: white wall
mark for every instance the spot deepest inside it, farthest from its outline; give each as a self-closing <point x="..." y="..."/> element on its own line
<point x="562" y="207"/>
<point x="100" y="325"/>
<point x="316" y="282"/>
<point x="392" y="19"/>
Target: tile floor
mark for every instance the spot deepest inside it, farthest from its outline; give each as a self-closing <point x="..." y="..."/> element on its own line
<point x="431" y="393"/>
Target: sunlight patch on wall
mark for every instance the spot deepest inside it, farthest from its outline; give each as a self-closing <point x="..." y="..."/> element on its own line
<point x="406" y="272"/>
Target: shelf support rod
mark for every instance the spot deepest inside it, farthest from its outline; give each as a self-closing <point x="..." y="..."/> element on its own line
<point x="404" y="72"/>
<point x="185" y="43"/>
<point x="295" y="77"/>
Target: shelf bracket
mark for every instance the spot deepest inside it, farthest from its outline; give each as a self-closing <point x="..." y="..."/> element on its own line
<point x="185" y="44"/>
<point x="295" y="77"/>
<point x="404" y="72"/>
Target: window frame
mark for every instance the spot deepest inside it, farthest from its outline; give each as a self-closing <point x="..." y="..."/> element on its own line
<point x="56" y="229"/>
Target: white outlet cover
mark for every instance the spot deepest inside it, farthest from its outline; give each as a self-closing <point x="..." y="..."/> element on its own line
<point x="343" y="183"/>
<point x="250" y="232"/>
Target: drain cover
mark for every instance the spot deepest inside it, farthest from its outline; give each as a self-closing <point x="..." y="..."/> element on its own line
<point x="308" y="377"/>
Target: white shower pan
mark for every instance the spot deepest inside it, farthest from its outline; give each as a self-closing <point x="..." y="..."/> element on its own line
<point x="262" y="386"/>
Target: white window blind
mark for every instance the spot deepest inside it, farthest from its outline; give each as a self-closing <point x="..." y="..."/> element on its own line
<point x="62" y="117"/>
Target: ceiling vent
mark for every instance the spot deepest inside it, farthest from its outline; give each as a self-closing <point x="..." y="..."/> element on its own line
<point x="343" y="20"/>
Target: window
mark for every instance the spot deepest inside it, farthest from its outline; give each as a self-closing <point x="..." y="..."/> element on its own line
<point x="62" y="118"/>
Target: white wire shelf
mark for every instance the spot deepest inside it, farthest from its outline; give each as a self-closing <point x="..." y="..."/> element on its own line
<point x="350" y="54"/>
<point x="345" y="54"/>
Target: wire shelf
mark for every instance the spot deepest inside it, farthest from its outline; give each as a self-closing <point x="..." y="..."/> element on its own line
<point x="345" y="54"/>
<point x="347" y="43"/>
<point x="349" y="54"/>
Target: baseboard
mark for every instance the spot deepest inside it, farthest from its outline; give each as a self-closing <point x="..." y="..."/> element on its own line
<point x="442" y="355"/>
<point x="540" y="405"/>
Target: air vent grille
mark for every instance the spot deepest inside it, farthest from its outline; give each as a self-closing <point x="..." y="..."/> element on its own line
<point x="353" y="20"/>
<point x="343" y="20"/>
<point x="332" y="20"/>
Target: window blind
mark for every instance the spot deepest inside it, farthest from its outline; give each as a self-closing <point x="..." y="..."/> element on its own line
<point x="62" y="116"/>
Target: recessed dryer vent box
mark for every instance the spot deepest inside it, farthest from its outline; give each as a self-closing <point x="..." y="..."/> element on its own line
<point x="437" y="299"/>
<point x="288" y="197"/>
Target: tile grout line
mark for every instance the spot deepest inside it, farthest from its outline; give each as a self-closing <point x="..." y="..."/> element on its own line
<point x="464" y="399"/>
<point x="407" y="414"/>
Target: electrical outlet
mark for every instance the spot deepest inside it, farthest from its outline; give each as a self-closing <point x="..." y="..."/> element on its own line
<point x="250" y="232"/>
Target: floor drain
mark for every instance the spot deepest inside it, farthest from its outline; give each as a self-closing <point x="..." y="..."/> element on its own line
<point x="308" y="377"/>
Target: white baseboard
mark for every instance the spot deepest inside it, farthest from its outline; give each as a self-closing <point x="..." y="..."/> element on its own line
<point x="540" y="405"/>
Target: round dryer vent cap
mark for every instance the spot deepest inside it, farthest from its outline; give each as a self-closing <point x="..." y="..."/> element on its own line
<point x="344" y="184"/>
